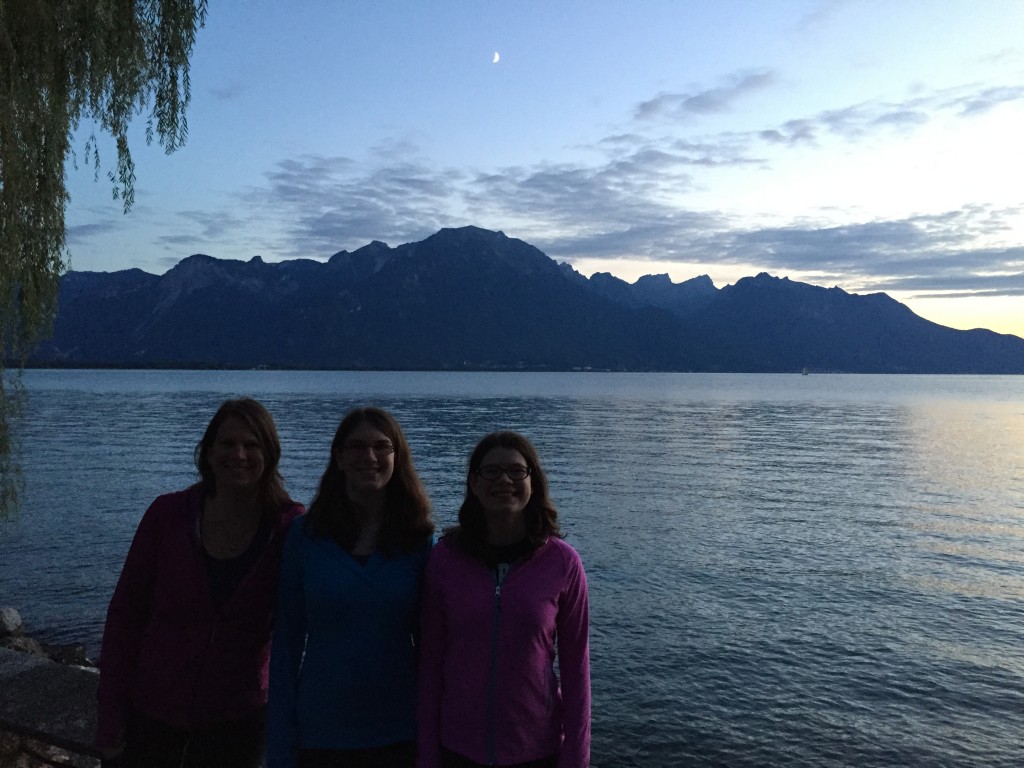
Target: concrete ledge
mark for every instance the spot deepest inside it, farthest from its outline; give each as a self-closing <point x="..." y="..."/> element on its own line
<point x="52" y="703"/>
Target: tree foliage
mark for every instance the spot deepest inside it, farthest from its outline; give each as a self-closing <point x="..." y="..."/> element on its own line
<point x="62" y="63"/>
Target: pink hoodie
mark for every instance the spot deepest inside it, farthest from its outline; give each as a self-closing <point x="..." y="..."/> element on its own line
<point x="167" y="651"/>
<point x="487" y="685"/>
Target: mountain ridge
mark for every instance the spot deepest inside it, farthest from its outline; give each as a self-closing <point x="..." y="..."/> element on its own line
<point x="474" y="299"/>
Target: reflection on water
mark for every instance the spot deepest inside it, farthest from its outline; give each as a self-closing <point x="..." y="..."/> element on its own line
<point x="785" y="571"/>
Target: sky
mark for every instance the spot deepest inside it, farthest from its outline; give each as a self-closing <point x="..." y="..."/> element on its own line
<point x="870" y="145"/>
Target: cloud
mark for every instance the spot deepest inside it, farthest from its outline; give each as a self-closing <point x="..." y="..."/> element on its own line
<point x="676" y="106"/>
<point x="80" y="232"/>
<point x="856" y="122"/>
<point x="213" y="225"/>
<point x="987" y="100"/>
<point x="860" y="121"/>
<point x="630" y="199"/>
<point x="901" y="118"/>
<point x="202" y="232"/>
<point x="229" y="91"/>
<point x="184" y="242"/>
<point x="792" y="132"/>
<point x="921" y="253"/>
<point x="335" y="202"/>
<point x="821" y="14"/>
<point x="623" y="208"/>
<point x="959" y="282"/>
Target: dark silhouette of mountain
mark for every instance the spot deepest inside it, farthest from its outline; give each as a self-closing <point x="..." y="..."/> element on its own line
<point x="470" y="298"/>
<point x="682" y="299"/>
<point x="766" y="323"/>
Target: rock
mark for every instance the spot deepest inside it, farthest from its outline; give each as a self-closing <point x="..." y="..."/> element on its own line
<point x="23" y="644"/>
<point x="68" y="654"/>
<point x="12" y="636"/>
<point x="10" y="622"/>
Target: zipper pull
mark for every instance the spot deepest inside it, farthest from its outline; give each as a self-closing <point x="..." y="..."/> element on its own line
<point x="500" y="572"/>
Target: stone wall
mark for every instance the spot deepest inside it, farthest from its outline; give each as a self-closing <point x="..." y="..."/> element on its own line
<point x="47" y="701"/>
<point x="24" y="752"/>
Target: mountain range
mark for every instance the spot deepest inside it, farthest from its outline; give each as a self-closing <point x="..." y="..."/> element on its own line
<point x="473" y="299"/>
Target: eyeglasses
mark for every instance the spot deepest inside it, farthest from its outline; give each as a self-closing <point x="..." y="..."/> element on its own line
<point x="493" y="472"/>
<point x="383" y="448"/>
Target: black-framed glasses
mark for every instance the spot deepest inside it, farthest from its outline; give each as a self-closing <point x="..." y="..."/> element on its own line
<point x="494" y="471"/>
<point x="380" y="448"/>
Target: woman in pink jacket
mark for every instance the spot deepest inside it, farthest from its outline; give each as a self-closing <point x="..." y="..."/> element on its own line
<point x="502" y="592"/>
<point x="183" y="668"/>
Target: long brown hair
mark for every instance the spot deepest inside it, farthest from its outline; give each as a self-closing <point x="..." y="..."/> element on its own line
<point x="539" y="516"/>
<point x="258" y="420"/>
<point x="406" y="524"/>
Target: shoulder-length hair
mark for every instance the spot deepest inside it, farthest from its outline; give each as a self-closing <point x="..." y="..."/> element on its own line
<point x="258" y="420"/>
<point x="540" y="515"/>
<point x="406" y="524"/>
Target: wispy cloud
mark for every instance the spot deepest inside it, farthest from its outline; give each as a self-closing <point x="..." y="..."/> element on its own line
<point x="677" y="106"/>
<point x="332" y="201"/>
<point x="628" y="200"/>
<point x="81" y="232"/>
<point x="959" y="282"/>
<point x="921" y="253"/>
<point x="213" y="226"/>
<point x="865" y="120"/>
<point x="229" y="91"/>
<point x="986" y="100"/>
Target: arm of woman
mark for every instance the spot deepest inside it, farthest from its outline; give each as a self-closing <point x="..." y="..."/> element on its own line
<point x="127" y="617"/>
<point x="430" y="675"/>
<point x="289" y="642"/>
<point x="573" y="627"/>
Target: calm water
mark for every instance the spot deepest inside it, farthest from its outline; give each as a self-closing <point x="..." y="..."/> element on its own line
<point x="785" y="570"/>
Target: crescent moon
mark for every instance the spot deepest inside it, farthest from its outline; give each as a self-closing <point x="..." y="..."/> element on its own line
<point x="496" y="58"/>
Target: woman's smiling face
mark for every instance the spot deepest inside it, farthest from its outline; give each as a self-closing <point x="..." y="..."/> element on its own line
<point x="367" y="459"/>
<point x="502" y="497"/>
<point x="236" y="456"/>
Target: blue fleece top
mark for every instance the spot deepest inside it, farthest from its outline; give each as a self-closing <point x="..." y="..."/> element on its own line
<point x="343" y="662"/>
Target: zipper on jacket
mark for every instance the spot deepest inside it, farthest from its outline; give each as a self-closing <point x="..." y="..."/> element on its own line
<point x="499" y="576"/>
<point x="202" y="659"/>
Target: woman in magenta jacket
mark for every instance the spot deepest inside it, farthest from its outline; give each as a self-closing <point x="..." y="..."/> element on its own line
<point x="183" y="667"/>
<point x="502" y="592"/>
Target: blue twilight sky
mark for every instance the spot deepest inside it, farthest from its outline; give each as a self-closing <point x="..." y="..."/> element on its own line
<point x="870" y="144"/>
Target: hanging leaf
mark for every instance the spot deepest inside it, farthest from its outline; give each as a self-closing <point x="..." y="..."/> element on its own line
<point x="62" y="62"/>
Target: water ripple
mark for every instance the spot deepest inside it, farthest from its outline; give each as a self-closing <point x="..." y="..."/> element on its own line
<point x="785" y="571"/>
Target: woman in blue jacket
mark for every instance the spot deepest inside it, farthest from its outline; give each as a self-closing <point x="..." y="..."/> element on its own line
<point x="343" y="665"/>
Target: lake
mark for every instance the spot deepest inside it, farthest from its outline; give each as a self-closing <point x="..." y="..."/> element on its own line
<point x="785" y="570"/>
